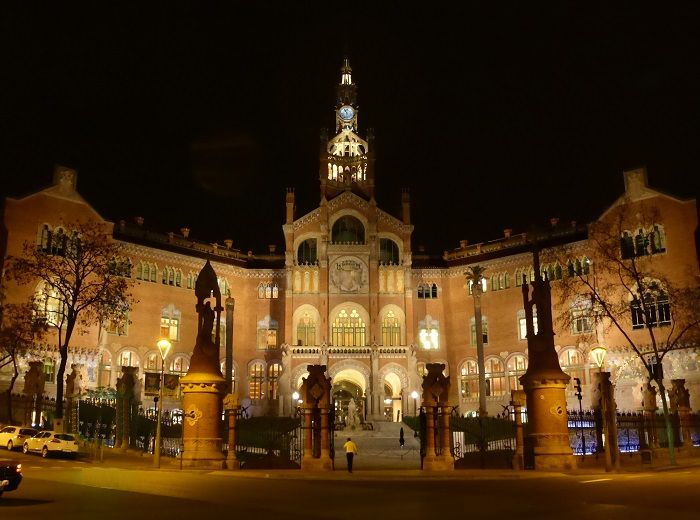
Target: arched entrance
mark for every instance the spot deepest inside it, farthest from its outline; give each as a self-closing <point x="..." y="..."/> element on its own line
<point x="349" y="387"/>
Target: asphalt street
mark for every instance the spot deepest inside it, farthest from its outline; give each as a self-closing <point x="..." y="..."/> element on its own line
<point x="56" y="488"/>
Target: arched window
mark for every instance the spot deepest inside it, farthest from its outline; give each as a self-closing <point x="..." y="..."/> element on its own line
<point x="349" y="329"/>
<point x="581" y="316"/>
<point x="267" y="333"/>
<point x="391" y="330"/>
<point x="128" y="358"/>
<point x="516" y="366"/>
<point x="179" y="365"/>
<point x="657" y="239"/>
<point x="388" y="252"/>
<point x="58" y="242"/>
<point x="43" y="239"/>
<point x="273" y="380"/>
<point x="522" y="323"/>
<point x="306" y="330"/>
<point x="268" y="290"/>
<point x="152" y="361"/>
<point x="306" y="252"/>
<point x="348" y="229"/>
<point x="233" y="374"/>
<point x="641" y="243"/>
<point x="469" y="380"/>
<point x="170" y="323"/>
<point x="49" y="305"/>
<point x="652" y="309"/>
<point x="256" y="377"/>
<point x="572" y="363"/>
<point x="495" y="377"/>
<point x="223" y="286"/>
<point x="191" y="280"/>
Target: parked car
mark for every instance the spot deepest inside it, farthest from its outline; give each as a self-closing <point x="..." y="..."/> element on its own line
<point x="12" y="437"/>
<point x="48" y="442"/>
<point x="10" y="475"/>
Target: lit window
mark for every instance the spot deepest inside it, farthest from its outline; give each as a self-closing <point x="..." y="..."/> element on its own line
<point x="170" y="323"/>
<point x="306" y="330"/>
<point x="581" y="317"/>
<point x="349" y="329"/>
<point x="572" y="363"/>
<point x="267" y="333"/>
<point x="469" y="380"/>
<point x="179" y="365"/>
<point x="517" y="365"/>
<point x="256" y="377"/>
<point x="117" y="326"/>
<point x="49" y="370"/>
<point x="495" y="377"/>
<point x="152" y="361"/>
<point x="128" y="359"/>
<point x="268" y="290"/>
<point x="522" y="323"/>
<point x="273" y="376"/>
<point x="429" y="339"/>
<point x="427" y="291"/>
<point x="388" y="252"/>
<point x="484" y="285"/>
<point x="391" y="330"/>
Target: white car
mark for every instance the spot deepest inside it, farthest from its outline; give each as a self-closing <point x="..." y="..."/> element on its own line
<point x="12" y="437"/>
<point x="48" y="442"/>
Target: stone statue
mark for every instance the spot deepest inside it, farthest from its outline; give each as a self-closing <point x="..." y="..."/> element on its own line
<point x="74" y="381"/>
<point x="34" y="379"/>
<point x="353" y="419"/>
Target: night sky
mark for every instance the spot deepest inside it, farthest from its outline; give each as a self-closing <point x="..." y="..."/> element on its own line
<point x="494" y="117"/>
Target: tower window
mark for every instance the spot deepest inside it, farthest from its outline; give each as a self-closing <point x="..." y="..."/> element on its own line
<point x="348" y="230"/>
<point x="306" y="252"/>
<point x="388" y="252"/>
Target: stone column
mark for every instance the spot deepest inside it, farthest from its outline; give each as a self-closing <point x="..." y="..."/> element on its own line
<point x="231" y="407"/>
<point x="609" y="413"/>
<point x="649" y="407"/>
<point x="517" y="401"/>
<point x="446" y="436"/>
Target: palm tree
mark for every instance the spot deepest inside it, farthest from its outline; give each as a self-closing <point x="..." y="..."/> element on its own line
<point x="475" y="275"/>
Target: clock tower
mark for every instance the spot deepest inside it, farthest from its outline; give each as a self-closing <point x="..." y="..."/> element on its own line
<point x="346" y="160"/>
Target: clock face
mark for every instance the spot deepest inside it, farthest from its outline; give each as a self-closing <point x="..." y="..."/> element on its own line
<point x="346" y="112"/>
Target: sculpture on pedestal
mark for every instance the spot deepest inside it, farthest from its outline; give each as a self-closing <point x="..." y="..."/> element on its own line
<point x="316" y="396"/>
<point x="544" y="382"/>
<point x="204" y="386"/>
<point x="436" y="389"/>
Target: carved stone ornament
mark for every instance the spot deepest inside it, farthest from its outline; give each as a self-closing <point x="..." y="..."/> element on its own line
<point x="193" y="415"/>
<point x="349" y="275"/>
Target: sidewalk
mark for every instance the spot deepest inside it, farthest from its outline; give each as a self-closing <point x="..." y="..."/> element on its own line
<point x="382" y="468"/>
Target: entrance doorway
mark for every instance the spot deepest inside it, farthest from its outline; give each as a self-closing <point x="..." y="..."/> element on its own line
<point x="342" y="394"/>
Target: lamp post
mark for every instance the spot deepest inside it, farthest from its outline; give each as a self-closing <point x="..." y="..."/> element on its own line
<point x="163" y="347"/>
<point x="598" y="354"/>
<point x="295" y="402"/>
<point x="414" y="394"/>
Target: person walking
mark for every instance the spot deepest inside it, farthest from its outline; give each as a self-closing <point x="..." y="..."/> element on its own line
<point x="350" y="452"/>
<point x="401" y="439"/>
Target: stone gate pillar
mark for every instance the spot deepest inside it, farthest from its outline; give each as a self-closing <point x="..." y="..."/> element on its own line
<point x="608" y="410"/>
<point x="126" y="398"/>
<point x="33" y="392"/>
<point x="680" y="403"/>
<point x="436" y="391"/>
<point x="316" y="393"/>
<point x="545" y="382"/>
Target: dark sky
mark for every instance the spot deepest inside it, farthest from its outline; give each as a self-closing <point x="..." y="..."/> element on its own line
<point x="494" y="116"/>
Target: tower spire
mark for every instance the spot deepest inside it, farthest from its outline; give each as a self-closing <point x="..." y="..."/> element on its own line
<point x="346" y="160"/>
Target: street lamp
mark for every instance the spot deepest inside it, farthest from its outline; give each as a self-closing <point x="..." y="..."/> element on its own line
<point x="163" y="347"/>
<point x="598" y="354"/>
<point x="414" y="394"/>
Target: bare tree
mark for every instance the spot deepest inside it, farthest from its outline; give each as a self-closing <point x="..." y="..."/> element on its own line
<point x="20" y="330"/>
<point x="83" y="282"/>
<point x="631" y="286"/>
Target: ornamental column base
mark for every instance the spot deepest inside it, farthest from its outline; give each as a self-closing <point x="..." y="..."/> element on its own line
<point x="548" y="431"/>
<point x="313" y="464"/>
<point x="438" y="463"/>
<point x="202" y="409"/>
